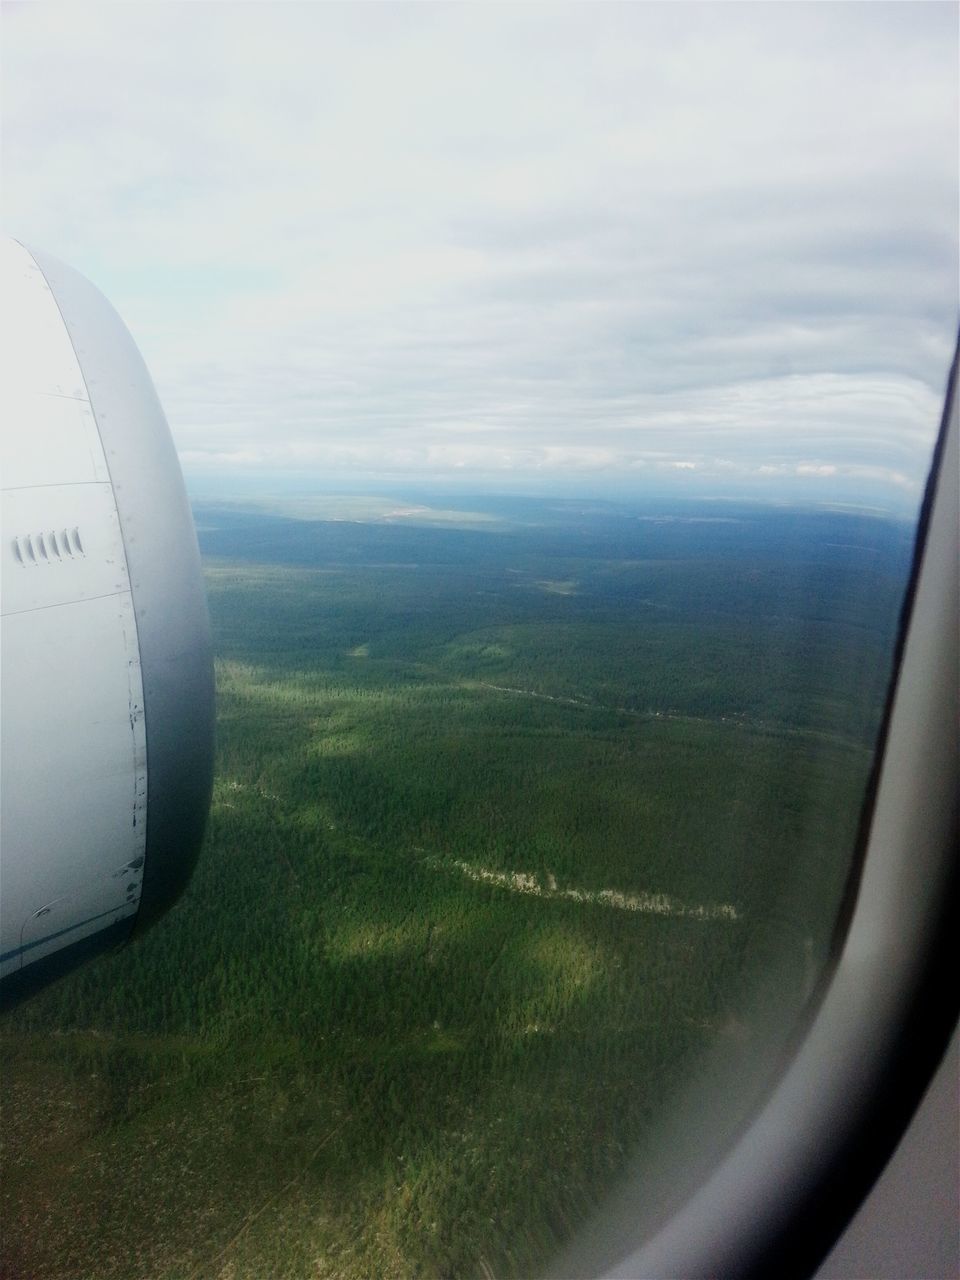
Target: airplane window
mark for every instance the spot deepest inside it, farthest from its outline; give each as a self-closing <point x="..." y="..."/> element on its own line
<point x="555" y="389"/>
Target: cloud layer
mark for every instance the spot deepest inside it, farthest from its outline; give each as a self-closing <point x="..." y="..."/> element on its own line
<point x="513" y="243"/>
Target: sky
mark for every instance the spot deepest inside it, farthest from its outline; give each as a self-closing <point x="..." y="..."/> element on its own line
<point x="602" y="248"/>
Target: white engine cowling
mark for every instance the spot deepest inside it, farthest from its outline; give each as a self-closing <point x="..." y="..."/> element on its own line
<point x="106" y="735"/>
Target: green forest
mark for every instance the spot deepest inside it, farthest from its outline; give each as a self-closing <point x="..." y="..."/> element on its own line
<point x="517" y="822"/>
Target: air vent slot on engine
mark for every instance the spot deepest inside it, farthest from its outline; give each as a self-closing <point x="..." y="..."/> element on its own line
<point x="31" y="550"/>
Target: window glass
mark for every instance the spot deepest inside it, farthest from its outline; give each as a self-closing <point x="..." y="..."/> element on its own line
<point x="555" y="388"/>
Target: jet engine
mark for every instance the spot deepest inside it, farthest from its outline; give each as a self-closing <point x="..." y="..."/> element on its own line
<point x="107" y="713"/>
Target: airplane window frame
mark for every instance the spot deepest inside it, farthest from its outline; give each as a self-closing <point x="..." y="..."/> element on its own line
<point x="780" y="1198"/>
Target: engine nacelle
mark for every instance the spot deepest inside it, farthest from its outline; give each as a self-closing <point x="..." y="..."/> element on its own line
<point x="106" y="744"/>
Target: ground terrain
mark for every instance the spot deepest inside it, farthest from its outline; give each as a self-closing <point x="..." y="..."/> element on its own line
<point x="521" y="810"/>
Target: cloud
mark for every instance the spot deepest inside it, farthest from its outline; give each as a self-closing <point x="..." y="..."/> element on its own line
<point x="511" y="239"/>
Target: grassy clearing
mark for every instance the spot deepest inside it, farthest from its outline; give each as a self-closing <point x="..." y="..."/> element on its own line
<point x="450" y="950"/>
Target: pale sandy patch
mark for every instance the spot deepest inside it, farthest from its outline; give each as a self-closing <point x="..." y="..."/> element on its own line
<point x="652" y="904"/>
